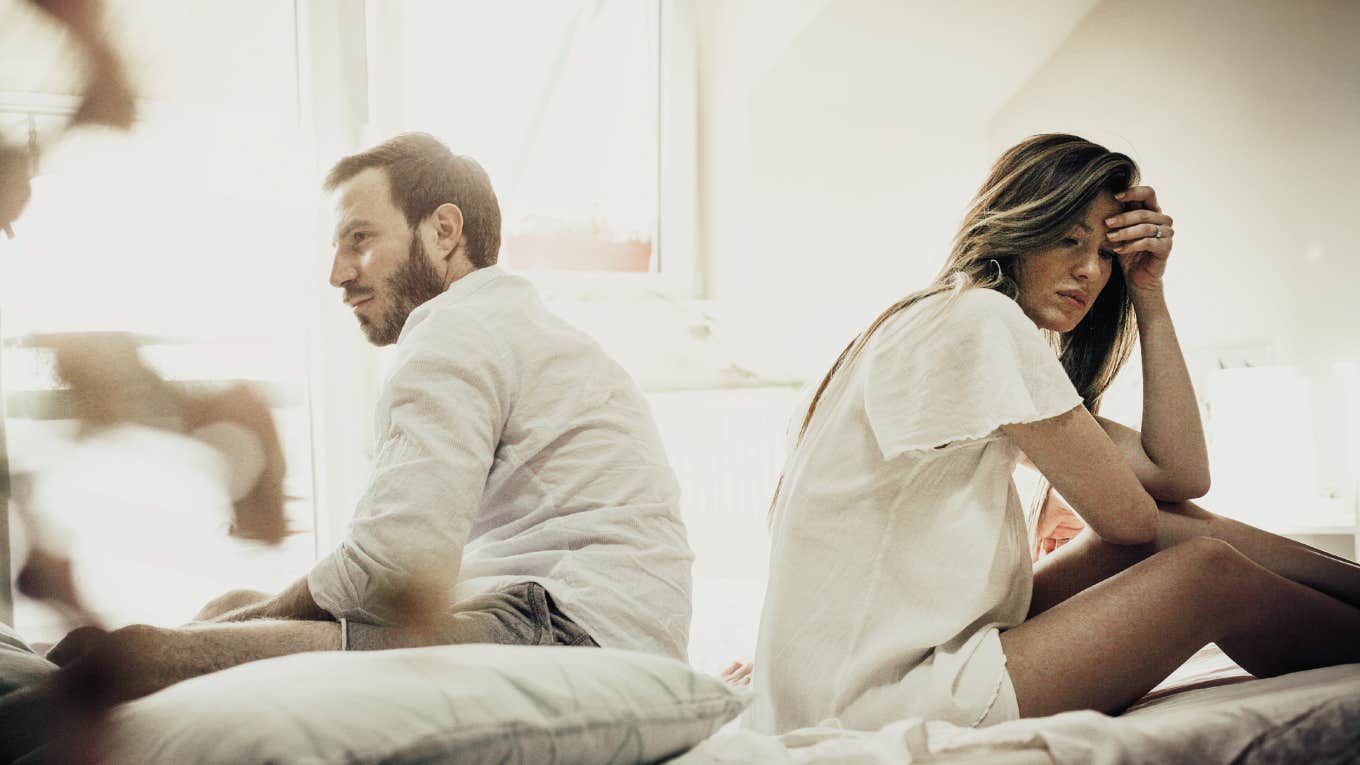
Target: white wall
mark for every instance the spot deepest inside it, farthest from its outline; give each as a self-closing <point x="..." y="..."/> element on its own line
<point x="839" y="143"/>
<point x="1246" y="118"/>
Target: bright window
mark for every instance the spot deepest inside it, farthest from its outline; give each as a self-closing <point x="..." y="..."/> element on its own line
<point x="192" y="232"/>
<point x="199" y="232"/>
<point x="559" y="101"/>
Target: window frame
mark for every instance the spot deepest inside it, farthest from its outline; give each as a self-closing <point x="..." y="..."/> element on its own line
<point x="340" y="106"/>
<point x="47" y="405"/>
<point x="677" y="271"/>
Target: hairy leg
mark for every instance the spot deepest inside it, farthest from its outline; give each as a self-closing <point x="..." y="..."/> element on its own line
<point x="1087" y="559"/>
<point x="156" y="658"/>
<point x="138" y="660"/>
<point x="102" y="669"/>
<point x="1117" y="639"/>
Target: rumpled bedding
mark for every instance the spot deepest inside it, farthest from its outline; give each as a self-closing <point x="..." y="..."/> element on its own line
<point x="19" y="665"/>
<point x="1211" y="713"/>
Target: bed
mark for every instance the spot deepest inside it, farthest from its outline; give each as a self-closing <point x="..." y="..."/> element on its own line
<point x="1208" y="711"/>
<point x="542" y="705"/>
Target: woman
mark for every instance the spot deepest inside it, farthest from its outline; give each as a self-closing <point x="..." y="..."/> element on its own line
<point x="900" y="577"/>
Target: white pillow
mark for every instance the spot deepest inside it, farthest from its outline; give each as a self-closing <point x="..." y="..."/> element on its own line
<point x="464" y="704"/>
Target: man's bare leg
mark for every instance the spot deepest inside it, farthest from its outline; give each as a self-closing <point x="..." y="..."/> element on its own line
<point x="99" y="670"/>
<point x="156" y="658"/>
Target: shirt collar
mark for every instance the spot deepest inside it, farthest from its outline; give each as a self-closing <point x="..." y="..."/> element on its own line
<point x="458" y="291"/>
<point x="470" y="283"/>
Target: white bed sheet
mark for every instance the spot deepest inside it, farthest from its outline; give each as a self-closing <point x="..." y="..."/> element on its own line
<point x="1208" y="711"/>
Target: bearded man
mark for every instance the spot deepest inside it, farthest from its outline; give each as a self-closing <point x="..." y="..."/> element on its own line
<point x="520" y="492"/>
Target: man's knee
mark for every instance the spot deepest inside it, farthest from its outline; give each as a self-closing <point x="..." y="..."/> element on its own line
<point x="230" y="602"/>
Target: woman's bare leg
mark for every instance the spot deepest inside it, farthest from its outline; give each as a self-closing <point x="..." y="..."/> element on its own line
<point x="1322" y="571"/>
<point x="1106" y="646"/>
<point x="1087" y="560"/>
<point x="1083" y="562"/>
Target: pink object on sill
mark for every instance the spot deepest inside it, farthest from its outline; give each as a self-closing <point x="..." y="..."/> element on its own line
<point x="545" y="253"/>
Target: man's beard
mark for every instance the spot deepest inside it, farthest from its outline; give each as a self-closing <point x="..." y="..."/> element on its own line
<point x="414" y="282"/>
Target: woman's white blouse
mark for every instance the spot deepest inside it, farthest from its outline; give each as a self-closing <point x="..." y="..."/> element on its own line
<point x="899" y="547"/>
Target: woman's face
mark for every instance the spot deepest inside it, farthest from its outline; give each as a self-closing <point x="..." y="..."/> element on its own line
<point x="1059" y="284"/>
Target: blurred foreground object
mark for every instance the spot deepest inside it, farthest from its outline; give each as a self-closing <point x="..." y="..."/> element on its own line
<point x="111" y="385"/>
<point x="15" y="170"/>
<point x="76" y="711"/>
<point x="108" y="99"/>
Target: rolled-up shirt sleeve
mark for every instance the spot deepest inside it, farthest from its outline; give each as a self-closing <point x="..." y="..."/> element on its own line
<point x="441" y="415"/>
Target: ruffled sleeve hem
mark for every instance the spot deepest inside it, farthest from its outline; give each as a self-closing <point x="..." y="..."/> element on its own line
<point x="953" y="374"/>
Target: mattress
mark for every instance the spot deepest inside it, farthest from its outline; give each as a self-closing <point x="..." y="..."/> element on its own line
<point x="1209" y="710"/>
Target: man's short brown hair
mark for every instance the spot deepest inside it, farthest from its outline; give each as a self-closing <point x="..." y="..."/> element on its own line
<point x="423" y="174"/>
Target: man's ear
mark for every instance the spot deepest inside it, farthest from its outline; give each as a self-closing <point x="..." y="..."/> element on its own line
<point x="448" y="228"/>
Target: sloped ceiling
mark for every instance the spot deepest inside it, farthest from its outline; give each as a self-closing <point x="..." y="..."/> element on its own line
<point x="966" y="58"/>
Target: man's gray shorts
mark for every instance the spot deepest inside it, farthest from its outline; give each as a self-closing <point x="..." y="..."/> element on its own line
<point x="520" y="614"/>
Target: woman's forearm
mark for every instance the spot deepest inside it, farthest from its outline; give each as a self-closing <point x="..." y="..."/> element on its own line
<point x="1172" y="434"/>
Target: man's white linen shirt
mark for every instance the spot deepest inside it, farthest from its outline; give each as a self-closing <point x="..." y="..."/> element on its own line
<point x="511" y="448"/>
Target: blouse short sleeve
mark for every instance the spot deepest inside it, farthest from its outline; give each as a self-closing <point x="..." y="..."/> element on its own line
<point x="945" y="371"/>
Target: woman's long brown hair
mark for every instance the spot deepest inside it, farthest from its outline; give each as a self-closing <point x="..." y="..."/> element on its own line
<point x="1034" y="194"/>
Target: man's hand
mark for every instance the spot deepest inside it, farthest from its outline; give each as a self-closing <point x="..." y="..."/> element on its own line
<point x="1058" y="524"/>
<point x="77" y="643"/>
<point x="104" y="668"/>
<point x="738" y="674"/>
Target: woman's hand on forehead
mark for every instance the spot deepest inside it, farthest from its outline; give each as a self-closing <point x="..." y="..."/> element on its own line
<point x="1141" y="237"/>
<point x="1139" y="198"/>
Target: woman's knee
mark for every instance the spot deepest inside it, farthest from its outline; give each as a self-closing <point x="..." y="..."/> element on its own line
<point x="1211" y="551"/>
<point x="1216" y="566"/>
<point x="1211" y="579"/>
